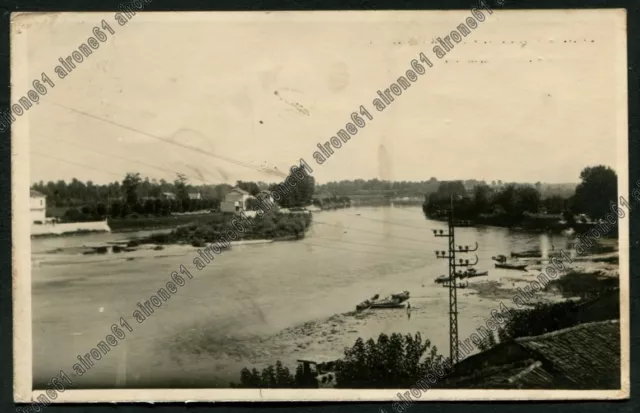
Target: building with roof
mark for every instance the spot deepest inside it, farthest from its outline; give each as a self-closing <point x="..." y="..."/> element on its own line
<point x="236" y="201"/>
<point x="583" y="357"/>
<point x="38" y="207"/>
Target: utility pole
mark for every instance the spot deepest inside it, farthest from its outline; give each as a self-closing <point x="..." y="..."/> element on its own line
<point x="454" y="353"/>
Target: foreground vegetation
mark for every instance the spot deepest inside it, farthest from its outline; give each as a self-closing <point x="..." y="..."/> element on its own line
<point x="141" y="199"/>
<point x="399" y="361"/>
<point x="274" y="377"/>
<point x="395" y="361"/>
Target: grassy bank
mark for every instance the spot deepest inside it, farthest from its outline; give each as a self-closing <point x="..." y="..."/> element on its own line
<point x="202" y="231"/>
<point x="141" y="223"/>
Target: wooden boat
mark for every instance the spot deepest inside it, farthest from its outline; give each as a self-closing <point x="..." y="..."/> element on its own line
<point x="500" y="258"/>
<point x="512" y="266"/>
<point x="386" y="303"/>
<point x="535" y="254"/>
<point x="403" y="296"/>
<point x="441" y="279"/>
<point x="461" y="285"/>
<point x="527" y="254"/>
<point x="470" y="273"/>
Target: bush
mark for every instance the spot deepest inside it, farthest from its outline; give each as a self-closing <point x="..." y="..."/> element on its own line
<point x="394" y="361"/>
<point x="584" y="285"/>
<point x="133" y="243"/>
<point x="272" y="376"/>
<point x="198" y="242"/>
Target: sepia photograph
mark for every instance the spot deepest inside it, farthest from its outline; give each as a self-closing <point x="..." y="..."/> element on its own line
<point x="393" y="206"/>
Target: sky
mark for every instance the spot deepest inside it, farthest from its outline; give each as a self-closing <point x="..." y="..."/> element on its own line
<point x="526" y="96"/>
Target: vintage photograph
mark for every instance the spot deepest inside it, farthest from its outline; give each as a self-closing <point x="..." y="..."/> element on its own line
<point x="398" y="205"/>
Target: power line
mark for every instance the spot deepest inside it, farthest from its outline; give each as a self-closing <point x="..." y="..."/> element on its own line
<point x="367" y="244"/>
<point x="362" y="252"/>
<point x="169" y="141"/>
<point x="131" y="160"/>
<point x="375" y="233"/>
<point x="396" y="224"/>
<point x="390" y="222"/>
<point x="76" y="164"/>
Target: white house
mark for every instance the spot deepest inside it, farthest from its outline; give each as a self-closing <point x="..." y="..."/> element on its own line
<point x="38" y="206"/>
<point x="236" y="201"/>
<point x="195" y="195"/>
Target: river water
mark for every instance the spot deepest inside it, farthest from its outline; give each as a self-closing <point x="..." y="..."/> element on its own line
<point x="255" y="304"/>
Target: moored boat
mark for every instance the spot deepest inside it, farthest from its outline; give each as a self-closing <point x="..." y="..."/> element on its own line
<point x="500" y="258"/>
<point x="470" y="273"/>
<point x="512" y="266"/>
<point x="392" y="301"/>
<point x="527" y="254"/>
<point x="461" y="285"/>
<point x="403" y="296"/>
<point x="441" y="279"/>
<point x="386" y="303"/>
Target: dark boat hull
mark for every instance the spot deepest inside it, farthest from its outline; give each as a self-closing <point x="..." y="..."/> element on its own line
<point x="381" y="305"/>
<point x="512" y="267"/>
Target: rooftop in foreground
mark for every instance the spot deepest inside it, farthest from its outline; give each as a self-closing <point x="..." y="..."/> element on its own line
<point x="586" y="356"/>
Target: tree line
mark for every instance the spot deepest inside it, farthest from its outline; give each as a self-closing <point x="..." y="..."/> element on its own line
<point x="394" y="189"/>
<point x="510" y="204"/>
<point x="135" y="196"/>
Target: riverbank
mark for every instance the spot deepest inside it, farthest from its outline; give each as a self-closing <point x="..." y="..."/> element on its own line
<point x="270" y="226"/>
<point x="65" y="229"/>
<point x="578" y="296"/>
<point x="537" y="225"/>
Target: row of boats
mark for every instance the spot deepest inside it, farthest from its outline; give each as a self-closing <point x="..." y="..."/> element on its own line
<point x="470" y="273"/>
<point x="502" y="261"/>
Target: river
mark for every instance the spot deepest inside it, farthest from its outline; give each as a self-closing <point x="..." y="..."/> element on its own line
<point x="255" y="304"/>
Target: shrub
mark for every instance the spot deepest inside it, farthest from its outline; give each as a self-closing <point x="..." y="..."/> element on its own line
<point x="197" y="242"/>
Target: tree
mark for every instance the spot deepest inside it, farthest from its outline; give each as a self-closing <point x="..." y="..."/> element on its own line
<point x="453" y="189"/>
<point x="255" y="378"/>
<point x="101" y="209"/>
<point x="182" y="192"/>
<point x="284" y="379"/>
<point x="268" y="378"/>
<point x="482" y="198"/>
<point x="245" y="377"/>
<point x="527" y="199"/>
<point x="597" y="190"/>
<point x="391" y="362"/>
<point x="250" y="187"/>
<point x="487" y="342"/>
<point x="555" y="204"/>
<point x="130" y="185"/>
<point x="304" y="380"/>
